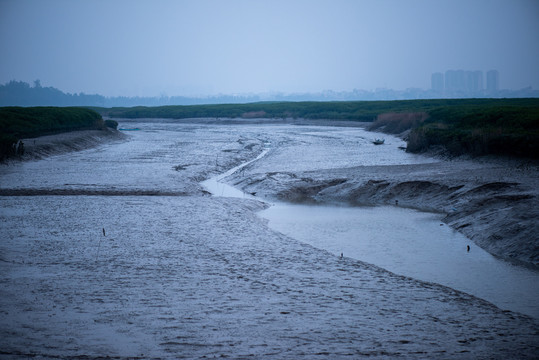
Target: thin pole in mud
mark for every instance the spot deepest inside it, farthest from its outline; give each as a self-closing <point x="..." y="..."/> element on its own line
<point x="99" y="245"/>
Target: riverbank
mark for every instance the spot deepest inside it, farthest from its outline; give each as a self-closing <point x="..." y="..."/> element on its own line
<point x="493" y="201"/>
<point x="49" y="145"/>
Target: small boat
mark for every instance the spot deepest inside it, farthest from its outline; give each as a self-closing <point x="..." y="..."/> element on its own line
<point x="378" y="141"/>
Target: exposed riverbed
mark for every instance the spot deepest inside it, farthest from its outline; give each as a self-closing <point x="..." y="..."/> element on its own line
<point x="180" y="274"/>
<point x="401" y="240"/>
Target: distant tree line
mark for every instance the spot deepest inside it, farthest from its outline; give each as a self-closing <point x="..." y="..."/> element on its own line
<point x="18" y="93"/>
<point x="333" y="110"/>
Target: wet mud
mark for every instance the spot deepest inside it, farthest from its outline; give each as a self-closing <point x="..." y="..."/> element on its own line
<point x="493" y="202"/>
<point x="93" y="275"/>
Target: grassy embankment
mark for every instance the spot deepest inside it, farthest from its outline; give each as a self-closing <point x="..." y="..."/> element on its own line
<point x="19" y="123"/>
<point x="462" y="126"/>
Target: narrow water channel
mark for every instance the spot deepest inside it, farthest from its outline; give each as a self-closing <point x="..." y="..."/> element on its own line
<point x="410" y="243"/>
<point x="404" y="241"/>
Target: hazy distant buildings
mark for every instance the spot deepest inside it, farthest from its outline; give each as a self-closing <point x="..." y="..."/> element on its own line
<point x="493" y="81"/>
<point x="462" y="83"/>
<point x="474" y="81"/>
<point x="437" y="82"/>
<point x="455" y="81"/>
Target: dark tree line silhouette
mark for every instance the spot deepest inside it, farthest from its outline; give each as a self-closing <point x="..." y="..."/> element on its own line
<point x="19" y="93"/>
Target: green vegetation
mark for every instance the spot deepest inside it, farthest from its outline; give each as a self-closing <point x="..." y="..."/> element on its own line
<point x="113" y="124"/>
<point x="307" y="110"/>
<point x="355" y="110"/>
<point x="333" y="110"/>
<point x="18" y="123"/>
<point x="480" y="130"/>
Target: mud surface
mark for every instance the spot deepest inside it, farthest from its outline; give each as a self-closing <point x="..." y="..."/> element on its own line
<point x="87" y="273"/>
<point x="492" y="201"/>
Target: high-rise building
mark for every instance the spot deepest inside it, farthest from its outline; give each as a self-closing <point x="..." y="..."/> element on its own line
<point x="437" y="82"/>
<point x="461" y="82"/>
<point x="493" y="80"/>
<point x="455" y="81"/>
<point x="474" y="81"/>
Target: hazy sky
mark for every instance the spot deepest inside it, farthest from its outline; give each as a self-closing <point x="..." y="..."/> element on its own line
<point x="203" y="47"/>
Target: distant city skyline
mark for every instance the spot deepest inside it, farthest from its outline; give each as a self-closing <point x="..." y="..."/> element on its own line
<point x="18" y="93"/>
<point x="461" y="82"/>
<point x="466" y="82"/>
<point x="493" y="80"/>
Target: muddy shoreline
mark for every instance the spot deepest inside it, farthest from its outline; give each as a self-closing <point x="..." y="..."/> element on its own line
<point x="491" y="200"/>
<point x="56" y="144"/>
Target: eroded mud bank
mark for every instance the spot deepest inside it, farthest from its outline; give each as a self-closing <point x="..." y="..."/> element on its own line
<point x="45" y="146"/>
<point x="494" y="202"/>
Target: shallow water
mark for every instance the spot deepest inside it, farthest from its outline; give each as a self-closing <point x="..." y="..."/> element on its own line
<point x="215" y="185"/>
<point x="410" y="243"/>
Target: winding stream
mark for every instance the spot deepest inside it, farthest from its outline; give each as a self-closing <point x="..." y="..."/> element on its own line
<point x="411" y="243"/>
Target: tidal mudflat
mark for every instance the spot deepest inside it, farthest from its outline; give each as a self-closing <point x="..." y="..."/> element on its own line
<point x="410" y="243"/>
<point x="119" y="251"/>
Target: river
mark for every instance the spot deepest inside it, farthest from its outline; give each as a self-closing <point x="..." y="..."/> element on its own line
<point x="404" y="241"/>
<point x="118" y="251"/>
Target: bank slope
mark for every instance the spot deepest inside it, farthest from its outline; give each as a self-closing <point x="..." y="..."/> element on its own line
<point x="17" y="123"/>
